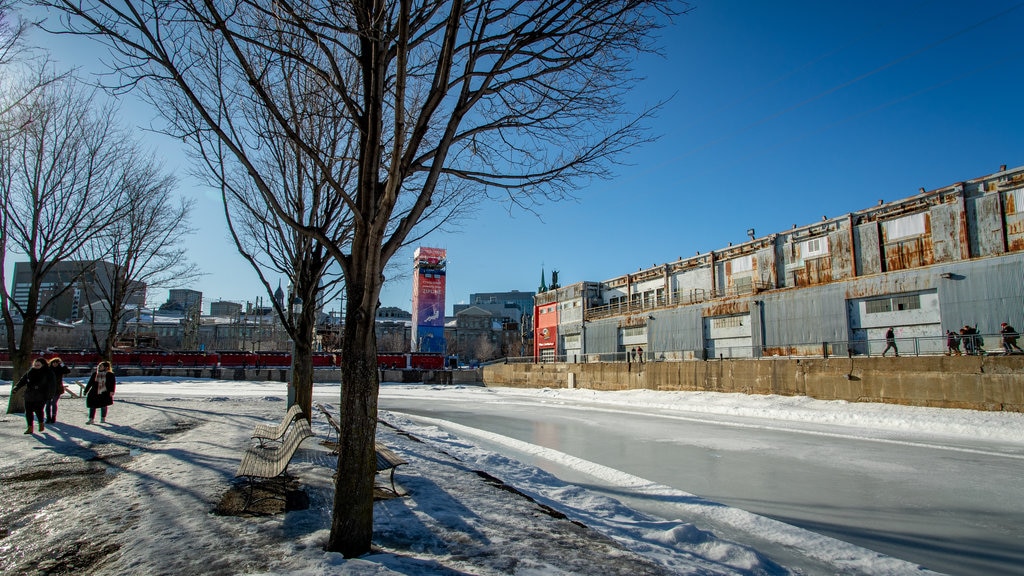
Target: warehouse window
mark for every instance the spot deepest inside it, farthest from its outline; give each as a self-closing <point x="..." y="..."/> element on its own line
<point x="896" y="303"/>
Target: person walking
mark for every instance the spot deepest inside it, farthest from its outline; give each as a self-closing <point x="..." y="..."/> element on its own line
<point x="890" y="342"/>
<point x="1009" y="338"/>
<point x="99" y="392"/>
<point x="37" y="384"/>
<point x="59" y="371"/>
<point x="952" y="343"/>
<point x="640" y="355"/>
<point x="972" y="340"/>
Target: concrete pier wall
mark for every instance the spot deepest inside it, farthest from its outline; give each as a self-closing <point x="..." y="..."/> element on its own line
<point x="971" y="382"/>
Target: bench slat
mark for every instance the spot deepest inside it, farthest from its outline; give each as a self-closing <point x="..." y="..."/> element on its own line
<point x="276" y="432"/>
<point x="271" y="462"/>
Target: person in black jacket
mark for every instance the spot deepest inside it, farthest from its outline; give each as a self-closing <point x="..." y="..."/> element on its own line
<point x="37" y="382"/>
<point x="1010" y="335"/>
<point x="59" y="372"/>
<point x="99" y="392"/>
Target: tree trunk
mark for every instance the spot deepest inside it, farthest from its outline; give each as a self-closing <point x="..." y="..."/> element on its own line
<point x="21" y="360"/>
<point x="302" y="361"/>
<point x="352" y="524"/>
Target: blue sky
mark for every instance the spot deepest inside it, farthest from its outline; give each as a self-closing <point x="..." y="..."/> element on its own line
<point x="780" y="113"/>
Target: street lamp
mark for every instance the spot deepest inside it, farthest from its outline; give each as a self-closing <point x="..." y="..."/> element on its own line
<point x="296" y="311"/>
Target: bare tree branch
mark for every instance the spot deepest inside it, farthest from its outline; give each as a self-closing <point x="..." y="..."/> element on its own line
<point x="446" y="103"/>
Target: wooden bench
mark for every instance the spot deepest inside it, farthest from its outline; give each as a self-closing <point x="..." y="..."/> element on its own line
<point x="270" y="433"/>
<point x="387" y="460"/>
<point x="271" y="462"/>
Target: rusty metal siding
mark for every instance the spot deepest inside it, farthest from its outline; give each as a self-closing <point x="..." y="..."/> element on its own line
<point x="1013" y="209"/>
<point x="841" y="253"/>
<point x="946" y="229"/>
<point x="866" y="242"/>
<point x="985" y="225"/>
<point x="764" y="265"/>
<point x="902" y="252"/>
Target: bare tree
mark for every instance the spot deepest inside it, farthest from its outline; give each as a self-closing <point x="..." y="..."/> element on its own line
<point x="446" y="100"/>
<point x="300" y="189"/>
<point x="60" y="182"/>
<point x="143" y="244"/>
<point x="15" y="61"/>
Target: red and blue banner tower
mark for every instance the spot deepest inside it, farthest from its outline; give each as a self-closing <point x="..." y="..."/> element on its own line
<point x="428" y="285"/>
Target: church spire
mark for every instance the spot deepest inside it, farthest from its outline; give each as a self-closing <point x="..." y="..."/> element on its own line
<point x="543" y="285"/>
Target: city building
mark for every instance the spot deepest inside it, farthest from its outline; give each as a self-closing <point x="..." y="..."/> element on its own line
<point x="182" y="300"/>
<point x="935" y="261"/>
<point x="523" y="301"/>
<point x="428" y="292"/>
<point x="225" y="309"/>
<point x="70" y="285"/>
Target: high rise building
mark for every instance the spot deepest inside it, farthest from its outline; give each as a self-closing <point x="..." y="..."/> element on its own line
<point x="428" y="288"/>
<point x="68" y="287"/>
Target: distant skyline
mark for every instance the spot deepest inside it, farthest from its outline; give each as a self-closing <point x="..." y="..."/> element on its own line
<point x="778" y="114"/>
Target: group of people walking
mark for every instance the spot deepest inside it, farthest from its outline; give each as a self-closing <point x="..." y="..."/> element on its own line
<point x="44" y="385"/>
<point x="968" y="336"/>
<point x="972" y="340"/>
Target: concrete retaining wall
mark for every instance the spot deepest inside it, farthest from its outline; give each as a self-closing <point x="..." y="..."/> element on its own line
<point x="972" y="382"/>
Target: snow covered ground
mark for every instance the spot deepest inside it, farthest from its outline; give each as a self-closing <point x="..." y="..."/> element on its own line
<point x="135" y="496"/>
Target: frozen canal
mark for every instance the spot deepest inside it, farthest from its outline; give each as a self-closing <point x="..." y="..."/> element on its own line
<point x="951" y="502"/>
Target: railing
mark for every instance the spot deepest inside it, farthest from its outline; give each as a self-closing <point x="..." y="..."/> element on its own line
<point x="677" y="298"/>
<point x="977" y="345"/>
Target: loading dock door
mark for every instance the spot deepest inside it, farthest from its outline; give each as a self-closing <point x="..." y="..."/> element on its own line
<point x="728" y="336"/>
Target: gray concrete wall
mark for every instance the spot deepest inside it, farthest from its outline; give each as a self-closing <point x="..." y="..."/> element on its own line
<point x="971" y="382"/>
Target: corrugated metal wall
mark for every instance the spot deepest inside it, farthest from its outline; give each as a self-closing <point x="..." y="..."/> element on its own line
<point x="806" y="316"/>
<point x="602" y="336"/>
<point x="676" y="329"/>
<point x="984" y="293"/>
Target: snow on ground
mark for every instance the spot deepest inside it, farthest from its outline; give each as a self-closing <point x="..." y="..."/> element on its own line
<point x="135" y="496"/>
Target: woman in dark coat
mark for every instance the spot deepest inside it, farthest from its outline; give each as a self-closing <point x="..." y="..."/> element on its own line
<point x="59" y="371"/>
<point x="37" y="382"/>
<point x="99" y="392"/>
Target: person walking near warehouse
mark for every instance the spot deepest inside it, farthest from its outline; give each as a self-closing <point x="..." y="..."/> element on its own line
<point x="37" y="383"/>
<point x="59" y="371"/>
<point x="1009" y="338"/>
<point x="99" y="392"/>
<point x="890" y="341"/>
<point x="952" y="343"/>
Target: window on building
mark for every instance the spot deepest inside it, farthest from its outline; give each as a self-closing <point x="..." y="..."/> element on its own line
<point x="895" y="303"/>
<point x="634" y="331"/>
<point x="814" y="247"/>
<point x="742" y="264"/>
<point x="905" y="227"/>
<point x="742" y="285"/>
<point x="727" y="321"/>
